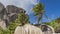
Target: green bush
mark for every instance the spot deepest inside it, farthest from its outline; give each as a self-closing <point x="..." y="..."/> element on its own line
<point x="22" y="18"/>
<point x="4" y="31"/>
<point x="12" y="27"/>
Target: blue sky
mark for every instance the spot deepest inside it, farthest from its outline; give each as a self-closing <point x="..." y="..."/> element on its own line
<point x="52" y="7"/>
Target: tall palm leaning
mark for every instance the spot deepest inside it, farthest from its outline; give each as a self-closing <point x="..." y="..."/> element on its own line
<point x="39" y="11"/>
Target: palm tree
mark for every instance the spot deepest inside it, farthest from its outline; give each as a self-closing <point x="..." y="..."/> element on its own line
<point x="39" y="11"/>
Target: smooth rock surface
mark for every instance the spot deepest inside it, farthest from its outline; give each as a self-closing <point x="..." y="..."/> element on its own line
<point x="3" y="24"/>
<point x="47" y="29"/>
<point x="28" y="29"/>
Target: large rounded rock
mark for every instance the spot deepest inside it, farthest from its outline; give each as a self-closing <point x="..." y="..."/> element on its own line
<point x="20" y="30"/>
<point x="47" y="29"/>
<point x="28" y="29"/>
<point x="3" y="12"/>
<point x="13" y="11"/>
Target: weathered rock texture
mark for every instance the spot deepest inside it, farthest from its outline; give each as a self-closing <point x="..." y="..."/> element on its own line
<point x="47" y="29"/>
<point x="28" y="29"/>
<point x="2" y="14"/>
<point x="9" y="14"/>
<point x="2" y="11"/>
<point x="3" y="25"/>
<point x="13" y="11"/>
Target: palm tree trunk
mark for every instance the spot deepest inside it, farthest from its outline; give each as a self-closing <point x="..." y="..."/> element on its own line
<point x="39" y="18"/>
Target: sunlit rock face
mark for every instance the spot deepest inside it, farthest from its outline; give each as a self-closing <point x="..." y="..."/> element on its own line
<point x="2" y="14"/>
<point x="28" y="29"/>
<point x="13" y="11"/>
<point x="47" y="29"/>
<point x="20" y="30"/>
<point x="3" y="24"/>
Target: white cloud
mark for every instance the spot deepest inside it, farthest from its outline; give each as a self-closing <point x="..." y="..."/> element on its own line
<point x="25" y="4"/>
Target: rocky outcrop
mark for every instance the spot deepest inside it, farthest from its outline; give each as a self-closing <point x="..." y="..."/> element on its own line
<point x="1" y="7"/>
<point x="27" y="29"/>
<point x="47" y="29"/>
<point x="13" y="11"/>
<point x="2" y="11"/>
<point x="2" y="14"/>
<point x="9" y="14"/>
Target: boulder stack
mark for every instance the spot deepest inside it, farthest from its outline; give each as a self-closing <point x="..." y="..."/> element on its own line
<point x="13" y="11"/>
<point x="9" y="14"/>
